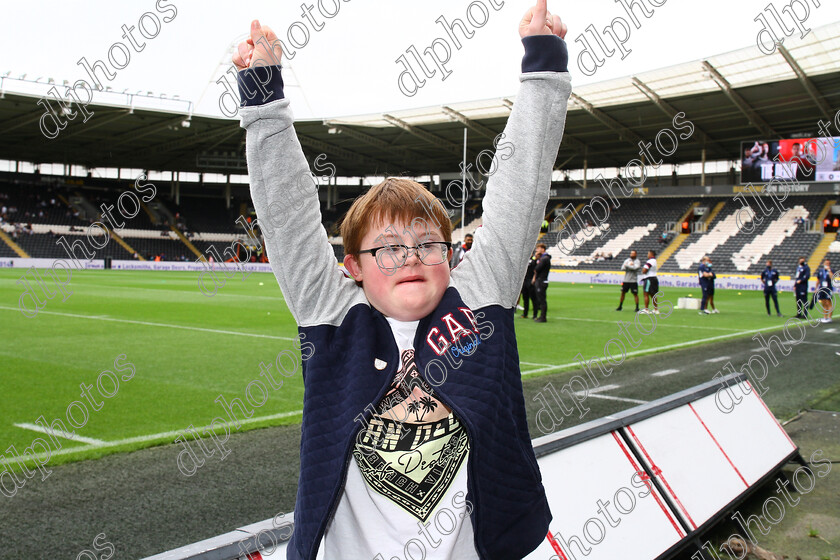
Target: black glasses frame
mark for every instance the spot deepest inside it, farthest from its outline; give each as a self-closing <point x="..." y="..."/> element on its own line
<point x="408" y="249"/>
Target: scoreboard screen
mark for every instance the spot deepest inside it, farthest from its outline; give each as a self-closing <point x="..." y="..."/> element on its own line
<point x="794" y="159"/>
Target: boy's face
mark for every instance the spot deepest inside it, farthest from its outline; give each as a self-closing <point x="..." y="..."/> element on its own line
<point x="414" y="289"/>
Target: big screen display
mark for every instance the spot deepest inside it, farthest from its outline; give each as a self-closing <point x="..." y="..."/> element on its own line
<point x="792" y="159"/>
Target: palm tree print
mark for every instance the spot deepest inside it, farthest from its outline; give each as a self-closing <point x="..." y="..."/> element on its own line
<point x="428" y="404"/>
<point x="414" y="407"/>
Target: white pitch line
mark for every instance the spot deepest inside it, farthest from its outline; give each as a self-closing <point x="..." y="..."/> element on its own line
<point x="658" y="348"/>
<point x="618" y="318"/>
<point x="182" y="292"/>
<point x="595" y="393"/>
<point x="150" y="324"/>
<point x="139" y="439"/>
<point x="821" y="343"/>
<point x="60" y="433"/>
<point x="603" y="388"/>
<point x="718" y="359"/>
<point x="665" y="372"/>
<point x="832" y="330"/>
<point x="533" y="364"/>
<point x="622" y="399"/>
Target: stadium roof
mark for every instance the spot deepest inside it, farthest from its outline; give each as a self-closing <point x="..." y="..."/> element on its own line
<point x="730" y="97"/>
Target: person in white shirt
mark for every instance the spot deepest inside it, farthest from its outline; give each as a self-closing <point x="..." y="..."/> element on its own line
<point x="631" y="268"/>
<point x="651" y="283"/>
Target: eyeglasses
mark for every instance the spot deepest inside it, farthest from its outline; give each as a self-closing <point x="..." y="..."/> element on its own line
<point x="392" y="257"/>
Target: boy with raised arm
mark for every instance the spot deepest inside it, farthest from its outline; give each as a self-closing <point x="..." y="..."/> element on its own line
<point x="414" y="431"/>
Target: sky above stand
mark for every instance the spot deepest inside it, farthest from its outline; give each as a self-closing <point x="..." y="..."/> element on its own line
<point x="349" y="67"/>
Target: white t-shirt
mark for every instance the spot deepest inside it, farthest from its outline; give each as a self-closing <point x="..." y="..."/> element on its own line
<point x="405" y="497"/>
<point x="651" y="273"/>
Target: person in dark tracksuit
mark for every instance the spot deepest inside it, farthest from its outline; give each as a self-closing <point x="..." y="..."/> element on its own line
<point x="770" y="280"/>
<point x="800" y="287"/>
<point x="527" y="294"/>
<point x="711" y="290"/>
<point x="541" y="282"/>
<point x="704" y="276"/>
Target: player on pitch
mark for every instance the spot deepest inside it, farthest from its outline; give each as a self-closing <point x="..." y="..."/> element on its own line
<point x="406" y="337"/>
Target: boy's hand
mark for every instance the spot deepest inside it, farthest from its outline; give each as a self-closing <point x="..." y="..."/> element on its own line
<point x="538" y="21"/>
<point x="255" y="50"/>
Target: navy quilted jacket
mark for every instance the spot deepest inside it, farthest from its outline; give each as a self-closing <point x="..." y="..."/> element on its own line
<point x="345" y="336"/>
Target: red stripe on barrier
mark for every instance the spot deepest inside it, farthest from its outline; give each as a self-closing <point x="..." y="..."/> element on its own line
<point x="556" y="546"/>
<point x="718" y="445"/>
<point x="646" y="480"/>
<point x="658" y="472"/>
<point x="752" y="391"/>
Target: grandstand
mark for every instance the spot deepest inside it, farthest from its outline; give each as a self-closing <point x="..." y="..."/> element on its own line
<point x="638" y="224"/>
<point x="55" y="209"/>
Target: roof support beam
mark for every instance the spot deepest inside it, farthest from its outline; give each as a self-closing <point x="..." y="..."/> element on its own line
<point x="669" y="110"/>
<point x="97" y="123"/>
<point x="573" y="142"/>
<point x="806" y="82"/>
<point x="568" y="140"/>
<point x="471" y="124"/>
<point x="22" y="120"/>
<point x="224" y="138"/>
<point x="187" y="141"/>
<point x="344" y="153"/>
<point x="405" y="153"/>
<point x="432" y="139"/>
<point x="623" y="132"/>
<point x="109" y="144"/>
<point x="753" y="117"/>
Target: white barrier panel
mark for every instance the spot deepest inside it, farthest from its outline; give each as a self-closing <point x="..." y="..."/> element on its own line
<point x="578" y="481"/>
<point x="705" y="457"/>
<point x="696" y="474"/>
<point x="750" y="434"/>
<point x="723" y="282"/>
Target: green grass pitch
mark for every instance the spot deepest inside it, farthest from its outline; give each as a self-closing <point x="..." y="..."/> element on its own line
<point x="188" y="349"/>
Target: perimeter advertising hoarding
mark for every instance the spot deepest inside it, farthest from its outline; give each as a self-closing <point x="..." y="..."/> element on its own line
<point x="791" y="159"/>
